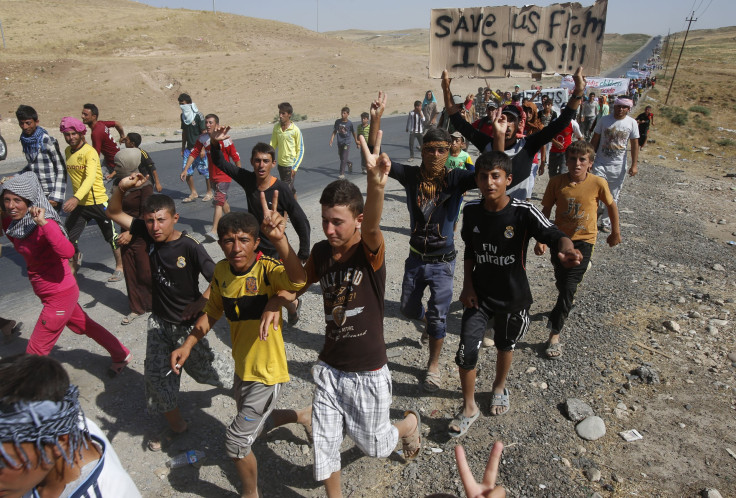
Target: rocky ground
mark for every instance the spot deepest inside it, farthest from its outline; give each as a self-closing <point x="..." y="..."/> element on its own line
<point x="662" y="300"/>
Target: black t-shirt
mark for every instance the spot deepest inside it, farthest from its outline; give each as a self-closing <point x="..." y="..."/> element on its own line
<point x="645" y="125"/>
<point x="175" y="270"/>
<point x="146" y="166"/>
<point x="287" y="203"/>
<point x="497" y="242"/>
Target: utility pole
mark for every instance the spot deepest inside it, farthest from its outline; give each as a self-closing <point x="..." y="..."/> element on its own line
<point x="671" y="47"/>
<point x="689" y="22"/>
<point x="213" y="7"/>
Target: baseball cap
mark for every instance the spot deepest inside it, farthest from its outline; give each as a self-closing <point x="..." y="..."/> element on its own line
<point x="512" y="110"/>
<point x="456" y="134"/>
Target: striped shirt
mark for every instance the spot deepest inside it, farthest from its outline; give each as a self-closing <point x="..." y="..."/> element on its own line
<point x="415" y="122"/>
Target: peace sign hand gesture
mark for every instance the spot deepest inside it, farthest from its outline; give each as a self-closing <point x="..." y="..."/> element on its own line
<point x="377" y="165"/>
<point x="273" y="225"/>
<point x="378" y="106"/>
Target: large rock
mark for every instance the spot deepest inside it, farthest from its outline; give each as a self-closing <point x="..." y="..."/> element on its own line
<point x="710" y="493"/>
<point x="591" y="429"/>
<point x="577" y="409"/>
<point x="647" y="374"/>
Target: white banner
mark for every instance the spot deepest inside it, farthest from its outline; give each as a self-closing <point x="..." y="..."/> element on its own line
<point x="558" y="95"/>
<point x="601" y="86"/>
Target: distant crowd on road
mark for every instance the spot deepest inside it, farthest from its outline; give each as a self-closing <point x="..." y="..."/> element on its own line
<point x="494" y="142"/>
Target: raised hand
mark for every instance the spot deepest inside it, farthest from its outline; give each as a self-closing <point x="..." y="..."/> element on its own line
<point x="377" y="165"/>
<point x="499" y="121"/>
<point x="486" y="488"/>
<point x="579" y="80"/>
<point x="378" y="105"/>
<point x="273" y="225"/>
<point x="38" y="215"/>
<point x="219" y="133"/>
<point x="446" y="80"/>
<point x="132" y="181"/>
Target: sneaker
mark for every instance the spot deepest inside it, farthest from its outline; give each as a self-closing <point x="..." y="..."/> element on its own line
<point x="350" y="167"/>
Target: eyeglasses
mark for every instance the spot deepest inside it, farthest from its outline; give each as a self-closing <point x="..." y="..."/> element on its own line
<point x="436" y="150"/>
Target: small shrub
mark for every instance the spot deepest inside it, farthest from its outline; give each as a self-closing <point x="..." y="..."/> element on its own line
<point x="679" y="119"/>
<point x="676" y="115"/>
<point x="725" y="142"/>
<point x="700" y="109"/>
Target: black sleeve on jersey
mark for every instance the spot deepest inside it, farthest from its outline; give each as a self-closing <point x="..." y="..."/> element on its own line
<point x="466" y="231"/>
<point x="298" y="219"/>
<point x="476" y="137"/>
<point x="242" y="176"/>
<point x="542" y="229"/>
<point x="537" y="140"/>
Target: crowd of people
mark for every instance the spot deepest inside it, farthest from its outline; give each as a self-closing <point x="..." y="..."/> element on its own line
<point x="261" y="273"/>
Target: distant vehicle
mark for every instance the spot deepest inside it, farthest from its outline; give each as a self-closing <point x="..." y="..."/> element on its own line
<point x="635" y="65"/>
<point x="3" y="148"/>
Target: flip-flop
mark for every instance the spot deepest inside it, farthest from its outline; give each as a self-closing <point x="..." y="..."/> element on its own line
<point x="207" y="197"/>
<point x="432" y="382"/>
<point x="116" y="276"/>
<point x="462" y="422"/>
<point x="553" y="351"/>
<point x="500" y="400"/>
<point x="127" y="320"/>
<point x="116" y="367"/>
<point x="411" y="444"/>
<point x="190" y="198"/>
<point x="163" y="439"/>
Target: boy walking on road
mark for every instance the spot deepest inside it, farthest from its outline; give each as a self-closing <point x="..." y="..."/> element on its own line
<point x="575" y="196"/>
<point x="242" y="284"/>
<point x="288" y="141"/>
<point x="192" y="126"/>
<point x="343" y="129"/>
<point x="177" y="260"/>
<point x="496" y="231"/>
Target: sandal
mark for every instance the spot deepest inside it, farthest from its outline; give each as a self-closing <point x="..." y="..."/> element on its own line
<point x="190" y="198"/>
<point x="460" y="424"/>
<point x="432" y="382"/>
<point x="164" y="439"/>
<point x="129" y="318"/>
<point x="116" y="367"/>
<point x="500" y="400"/>
<point x="116" y="276"/>
<point x="293" y="318"/>
<point x="411" y="444"/>
<point x="553" y="351"/>
<point x="207" y="197"/>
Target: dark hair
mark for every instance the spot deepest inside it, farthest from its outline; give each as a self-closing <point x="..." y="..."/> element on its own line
<point x="217" y="120"/>
<point x="364" y="115"/>
<point x="32" y="378"/>
<point x="235" y="222"/>
<point x="437" y="135"/>
<point x="580" y="147"/>
<point x="343" y="193"/>
<point x="157" y="202"/>
<point x="184" y="97"/>
<point x="345" y="109"/>
<point x="263" y="148"/>
<point x="26" y="112"/>
<point x="417" y="102"/>
<point x="92" y="108"/>
<point x="286" y="107"/>
<point x="135" y="138"/>
<point x="488" y="161"/>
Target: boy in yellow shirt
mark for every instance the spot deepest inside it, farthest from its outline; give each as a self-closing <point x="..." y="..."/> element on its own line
<point x="90" y="199"/>
<point x="241" y="287"/>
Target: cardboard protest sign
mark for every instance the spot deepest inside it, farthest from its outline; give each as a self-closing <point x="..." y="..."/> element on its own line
<point x="559" y="96"/>
<point x="601" y="86"/>
<point x="494" y="41"/>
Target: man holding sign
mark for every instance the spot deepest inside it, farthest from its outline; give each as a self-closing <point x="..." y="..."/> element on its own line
<point x="521" y="150"/>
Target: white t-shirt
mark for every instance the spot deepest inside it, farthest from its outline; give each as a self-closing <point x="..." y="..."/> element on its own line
<point x="610" y="158"/>
<point x="111" y="481"/>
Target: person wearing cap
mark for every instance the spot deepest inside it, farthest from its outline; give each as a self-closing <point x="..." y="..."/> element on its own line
<point x="90" y="198"/>
<point x="611" y="138"/>
<point x="521" y="149"/>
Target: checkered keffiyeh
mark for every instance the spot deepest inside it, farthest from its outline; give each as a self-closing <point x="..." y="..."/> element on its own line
<point x="45" y="159"/>
<point x="42" y="423"/>
<point x="26" y="185"/>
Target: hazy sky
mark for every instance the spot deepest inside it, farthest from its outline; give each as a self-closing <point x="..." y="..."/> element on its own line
<point x="624" y="16"/>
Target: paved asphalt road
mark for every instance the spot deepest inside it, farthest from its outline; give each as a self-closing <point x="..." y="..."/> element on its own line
<point x="320" y="167"/>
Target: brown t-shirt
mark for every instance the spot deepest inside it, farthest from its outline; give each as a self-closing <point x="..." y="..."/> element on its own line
<point x="352" y="294"/>
<point x="577" y="204"/>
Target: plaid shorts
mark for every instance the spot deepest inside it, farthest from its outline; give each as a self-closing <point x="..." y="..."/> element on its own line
<point x="357" y="403"/>
<point x="220" y="189"/>
<point x="203" y="365"/>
